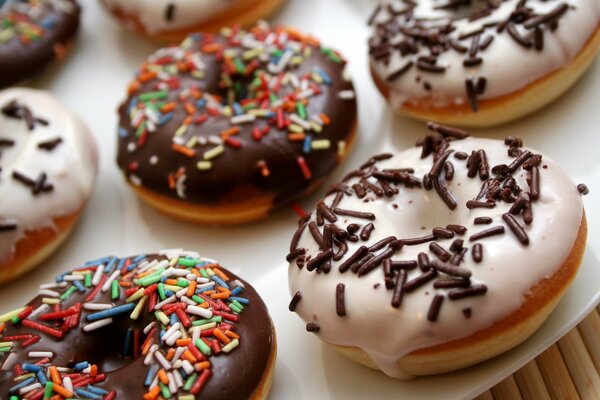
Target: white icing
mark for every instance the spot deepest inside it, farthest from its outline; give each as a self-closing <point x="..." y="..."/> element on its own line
<point x="507" y="66"/>
<point x="186" y="14"/>
<point x="509" y="269"/>
<point x="71" y="167"/>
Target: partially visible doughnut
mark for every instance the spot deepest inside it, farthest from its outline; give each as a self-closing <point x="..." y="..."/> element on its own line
<point x="48" y="165"/>
<point x="34" y="33"/>
<point x="440" y="256"/>
<point x="173" y="20"/>
<point x="156" y="326"/>
<point x="222" y="129"/>
<point x="480" y="63"/>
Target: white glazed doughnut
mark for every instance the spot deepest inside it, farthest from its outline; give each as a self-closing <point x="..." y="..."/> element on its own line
<point x="175" y="19"/>
<point x="482" y="64"/>
<point x="48" y="166"/>
<point x="493" y="253"/>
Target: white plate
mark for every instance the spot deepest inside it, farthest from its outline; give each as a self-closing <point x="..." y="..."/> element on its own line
<point x="92" y="81"/>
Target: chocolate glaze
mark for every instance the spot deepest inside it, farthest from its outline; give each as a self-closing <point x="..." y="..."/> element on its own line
<point x="19" y="61"/>
<point x="234" y="177"/>
<point x="234" y="375"/>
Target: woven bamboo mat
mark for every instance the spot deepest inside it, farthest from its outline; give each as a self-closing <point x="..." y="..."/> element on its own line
<point x="569" y="369"/>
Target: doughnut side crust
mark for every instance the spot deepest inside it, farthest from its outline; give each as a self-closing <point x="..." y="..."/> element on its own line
<point x="500" y="337"/>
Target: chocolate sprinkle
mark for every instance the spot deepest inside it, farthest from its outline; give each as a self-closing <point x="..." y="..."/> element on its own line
<point x="434" y="308"/>
<point x="312" y="327"/>
<point x="295" y="300"/>
<point x="50" y="145"/>
<point x="340" y="300"/>
<point x="399" y="288"/>
<point x="516" y="228"/>
<point x="497" y="230"/>
<point x="475" y="290"/>
<point x="7" y="225"/>
<point x="477" y="252"/>
<point x="583" y="189"/>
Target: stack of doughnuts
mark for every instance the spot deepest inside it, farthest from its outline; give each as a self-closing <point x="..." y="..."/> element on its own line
<point x="48" y="165"/>
<point x="222" y="129"/>
<point x="34" y="33"/>
<point x="173" y="20"/>
<point x="480" y="63"/>
<point x="177" y="325"/>
<point x="452" y="252"/>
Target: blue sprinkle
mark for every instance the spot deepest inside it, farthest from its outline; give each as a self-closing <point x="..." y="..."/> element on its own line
<point x="174" y="319"/>
<point x="87" y="394"/>
<point x="22" y="384"/>
<point x="242" y="300"/>
<point x="132" y="104"/>
<point x="111" y="312"/>
<point x="127" y="345"/>
<point x="49" y="22"/>
<point x="80" y="366"/>
<point x="131" y="267"/>
<point x="162" y="333"/>
<point x="237" y="109"/>
<point x="200" y="103"/>
<point x="41" y="377"/>
<point x="139" y="258"/>
<point x="97" y="390"/>
<point x="122" y="262"/>
<point x="151" y="374"/>
<point x="219" y="281"/>
<point x="123" y="132"/>
<point x="237" y="291"/>
<point x="97" y="261"/>
<point x="205" y="289"/>
<point x="165" y="118"/>
<point x="307" y="144"/>
<point x="324" y="75"/>
<point x="31" y="367"/>
<point x="110" y="267"/>
<point x="169" y="293"/>
<point x="79" y="286"/>
<point x="60" y="278"/>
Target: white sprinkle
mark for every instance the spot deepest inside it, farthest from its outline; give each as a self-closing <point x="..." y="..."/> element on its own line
<point x="97" y="324"/>
<point x="187" y="300"/>
<point x="180" y="186"/>
<point x="153" y="160"/>
<point x="48" y="293"/>
<point x="109" y="281"/>
<point x="174" y="328"/>
<point x="150" y="355"/>
<point x="54" y="285"/>
<point x="299" y="121"/>
<point x="71" y="278"/>
<point x="242" y="119"/>
<point x="187" y="367"/>
<point x="149" y="327"/>
<point x="174" y="272"/>
<point x="215" y="140"/>
<point x="40" y="354"/>
<point x="172" y="384"/>
<point x="346" y="94"/>
<point x="203" y="312"/>
<point x="162" y="360"/>
<point x="68" y="384"/>
<point x="170" y="341"/>
<point x="178" y="379"/>
<point x="131" y="147"/>
<point x="168" y="300"/>
<point x="178" y="354"/>
<point x="29" y="388"/>
<point x="98" y="275"/>
<point x="97" y="306"/>
<point x="40" y="310"/>
<point x="135" y="180"/>
<point x="10" y="362"/>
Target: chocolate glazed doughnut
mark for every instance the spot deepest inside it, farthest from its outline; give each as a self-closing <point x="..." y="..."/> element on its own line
<point x="135" y="328"/>
<point x="236" y="124"/>
<point x="33" y="34"/>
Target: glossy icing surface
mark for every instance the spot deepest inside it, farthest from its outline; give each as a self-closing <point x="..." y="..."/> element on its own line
<point x="228" y="118"/>
<point x="157" y="325"/>
<point x="56" y="146"/>
<point x="508" y="268"/>
<point x="505" y="64"/>
<point x="32" y="34"/>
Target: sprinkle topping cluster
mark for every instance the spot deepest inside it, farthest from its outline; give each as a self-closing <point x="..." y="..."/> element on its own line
<point x="192" y="303"/>
<point x="28" y="20"/>
<point x="420" y="41"/>
<point x="438" y="266"/>
<point x="221" y="94"/>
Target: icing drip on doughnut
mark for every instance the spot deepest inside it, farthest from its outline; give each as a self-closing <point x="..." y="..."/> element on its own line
<point x="182" y="327"/>
<point x="457" y="52"/>
<point x="432" y="244"/>
<point x="32" y="33"/>
<point x="170" y="15"/>
<point x="48" y="164"/>
<point x="266" y="110"/>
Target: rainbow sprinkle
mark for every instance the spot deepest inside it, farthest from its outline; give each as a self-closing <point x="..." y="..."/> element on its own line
<point x="195" y="306"/>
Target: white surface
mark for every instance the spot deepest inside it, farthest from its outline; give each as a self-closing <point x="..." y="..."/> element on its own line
<point x="92" y="82"/>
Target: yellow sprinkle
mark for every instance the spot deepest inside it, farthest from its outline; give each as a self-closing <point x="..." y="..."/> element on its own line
<point x="181" y="130"/>
<point x="192" y="142"/>
<point x="341" y="148"/>
<point x="316" y="126"/>
<point x="162" y="317"/>
<point x="207" y="326"/>
<point x="321" y="144"/>
<point x="138" y="307"/>
<point x="48" y="300"/>
<point x="204" y="165"/>
<point x="135" y="296"/>
<point x="10" y="315"/>
<point x="173" y="288"/>
<point x="295" y="128"/>
<point x="173" y="261"/>
<point x="6" y="344"/>
<point x="214" y="152"/>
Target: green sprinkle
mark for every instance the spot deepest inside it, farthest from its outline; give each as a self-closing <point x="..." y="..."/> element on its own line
<point x="204" y="273"/>
<point x="188" y="262"/>
<point x="9" y="315"/>
<point x="68" y="293"/>
<point x="15" y="320"/>
<point x="164" y="390"/>
<point x="235" y="308"/>
<point x="114" y="290"/>
<point x="161" y="291"/>
<point x="140" y="129"/>
<point x="198" y="299"/>
<point x="159" y="94"/>
<point x="301" y="110"/>
<point x="4" y="349"/>
<point x="183" y="283"/>
<point x="48" y="390"/>
<point x="238" y="304"/>
<point x="214" y="319"/>
<point x="87" y="281"/>
<point x="203" y="347"/>
<point x="190" y="382"/>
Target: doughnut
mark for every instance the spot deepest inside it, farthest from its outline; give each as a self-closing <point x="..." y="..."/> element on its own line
<point x="173" y="20"/>
<point x="222" y="129"/>
<point x="157" y="326"/>
<point x="440" y="256"/>
<point x="34" y="33"/>
<point x="48" y="165"/>
<point x="480" y="63"/>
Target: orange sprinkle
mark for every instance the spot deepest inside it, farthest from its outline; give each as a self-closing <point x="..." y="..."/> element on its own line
<point x="204" y="305"/>
<point x="223" y="290"/>
<point x="170" y="354"/>
<point x="61" y="390"/>
<point x="171" y="186"/>
<point x="189" y="108"/>
<point x="188" y="120"/>
<point x="202" y="365"/>
<point x="183" y="342"/>
<point x="230" y="64"/>
<point x="162" y="376"/>
<point x="231" y="334"/>
<point x="147" y="76"/>
<point x="196" y="93"/>
<point x="210" y="48"/>
<point x="191" y="289"/>
<point x="326" y="120"/>
<point x="231" y="131"/>
<point x="221" y="336"/>
<point x="220" y="274"/>
<point x="171" y="282"/>
<point x="54" y="375"/>
<point x="93" y="370"/>
<point x="296" y="137"/>
<point x="133" y="87"/>
<point x="153" y="393"/>
<point x="186" y="151"/>
<point x="125" y="284"/>
<point x="59" y="51"/>
<point x="189" y="356"/>
<point x="221" y="296"/>
<point x="168" y="107"/>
